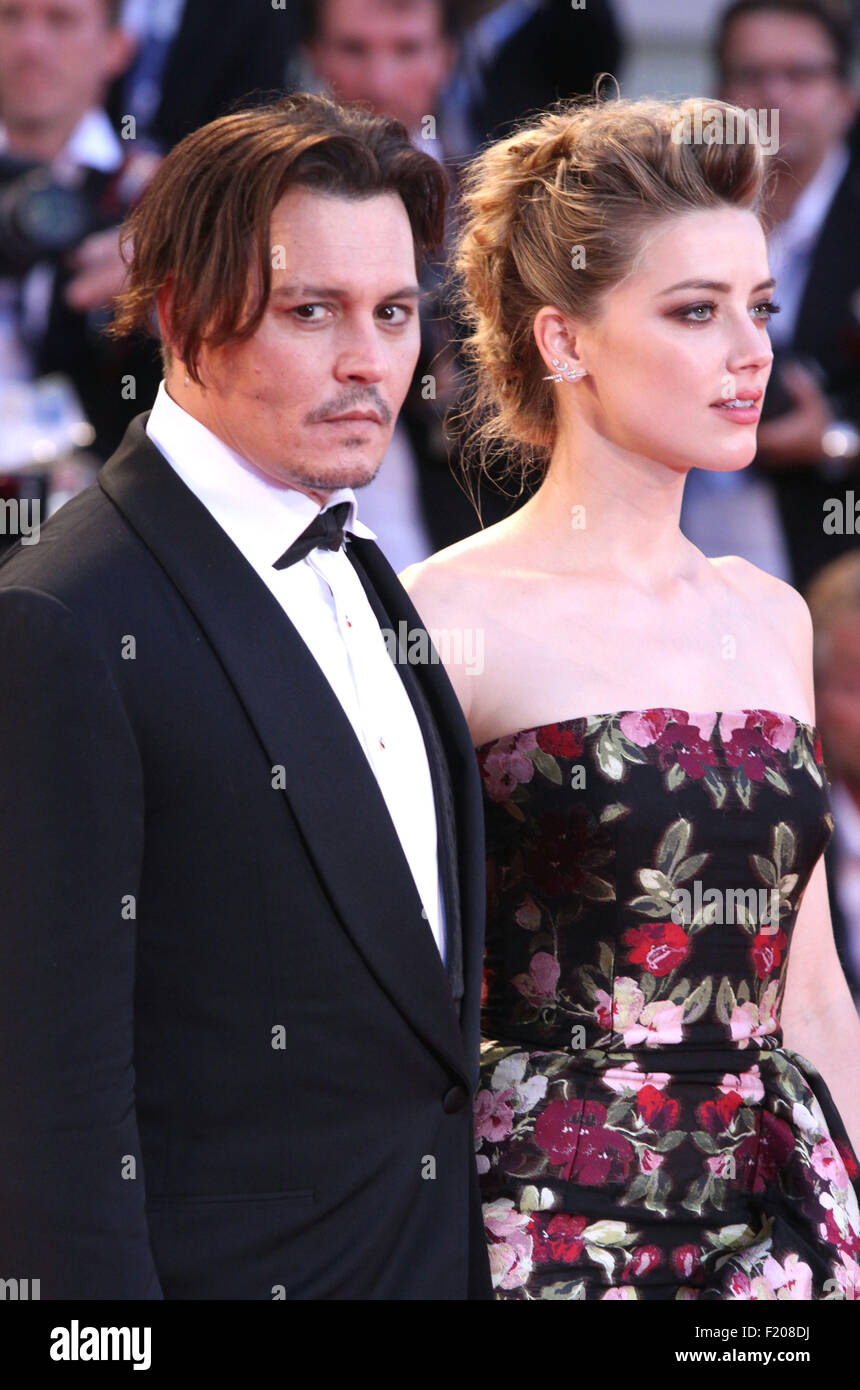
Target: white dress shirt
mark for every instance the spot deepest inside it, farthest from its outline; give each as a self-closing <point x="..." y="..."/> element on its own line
<point x="323" y="597"/>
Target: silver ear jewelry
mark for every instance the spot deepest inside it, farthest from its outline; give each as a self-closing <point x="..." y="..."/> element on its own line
<point x="565" y="372"/>
<point x="187" y="380"/>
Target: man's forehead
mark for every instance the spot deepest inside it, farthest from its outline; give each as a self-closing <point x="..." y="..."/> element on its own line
<point x="322" y="239"/>
<point x="290" y="290"/>
<point x="358" y="18"/>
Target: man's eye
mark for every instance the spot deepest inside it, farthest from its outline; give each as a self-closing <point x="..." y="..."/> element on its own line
<point x="310" y="313"/>
<point x="395" y="313"/>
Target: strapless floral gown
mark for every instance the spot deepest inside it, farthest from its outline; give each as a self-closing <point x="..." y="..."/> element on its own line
<point x="641" y="1130"/>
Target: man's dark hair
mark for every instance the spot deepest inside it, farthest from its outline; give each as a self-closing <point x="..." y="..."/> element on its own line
<point x="202" y="226"/>
<point x="834" y="17"/>
<point x="310" y="12"/>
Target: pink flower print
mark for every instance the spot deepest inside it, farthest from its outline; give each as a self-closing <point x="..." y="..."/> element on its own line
<point x="649" y="1161"/>
<point x="644" y="726"/>
<point x="511" y="1250"/>
<point x="539" y="985"/>
<point x="505" y="766"/>
<point x="721" y="1165"/>
<point x="659" y="1023"/>
<point x="704" y="723"/>
<point x="827" y="1162"/>
<point x="791" y="1280"/>
<point x="603" y="1009"/>
<point x="748" y="1085"/>
<point x="743" y="1022"/>
<point x="755" y="738"/>
<point x="630" y="1078"/>
<point x="494" y="1118"/>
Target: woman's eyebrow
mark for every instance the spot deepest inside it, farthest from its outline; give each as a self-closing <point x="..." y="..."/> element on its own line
<point x="718" y="286"/>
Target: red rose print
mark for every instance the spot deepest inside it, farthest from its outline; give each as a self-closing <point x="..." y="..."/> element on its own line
<point x="687" y="1261"/>
<point x="562" y="1239"/>
<point x="847" y="1156"/>
<point x="658" y="1111"/>
<point x="642" y="1260"/>
<point x="681" y="744"/>
<point x="767" y="952"/>
<point x="775" y="1146"/>
<point x="715" y="1116"/>
<point x="561" y="741"/>
<point x="557" y="1130"/>
<point x="756" y="746"/>
<point x="659" y="946"/>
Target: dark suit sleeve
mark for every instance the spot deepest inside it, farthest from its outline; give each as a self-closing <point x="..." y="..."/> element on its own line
<point x="72" y="1211"/>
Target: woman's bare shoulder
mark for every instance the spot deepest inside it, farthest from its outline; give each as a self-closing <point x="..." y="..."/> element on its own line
<point x="774" y="597"/>
<point x="459" y="578"/>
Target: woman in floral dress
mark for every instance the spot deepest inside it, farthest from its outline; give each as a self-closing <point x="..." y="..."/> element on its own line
<point x="663" y="998"/>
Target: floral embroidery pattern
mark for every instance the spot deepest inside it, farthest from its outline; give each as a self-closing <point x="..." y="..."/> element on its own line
<point x="644" y="873"/>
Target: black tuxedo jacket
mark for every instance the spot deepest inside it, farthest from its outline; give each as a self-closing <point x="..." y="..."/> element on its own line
<point x="232" y="1064"/>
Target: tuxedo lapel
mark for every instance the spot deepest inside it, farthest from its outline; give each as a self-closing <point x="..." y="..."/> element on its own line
<point x="446" y="827"/>
<point x="465" y="783"/>
<point x="327" y="780"/>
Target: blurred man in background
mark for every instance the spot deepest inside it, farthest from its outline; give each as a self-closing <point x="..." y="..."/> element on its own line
<point x="834" y="601"/>
<point x="521" y="55"/>
<point x="450" y="72"/>
<point x="794" y="57"/>
<point x="396" y="56"/>
<point x="196" y="59"/>
<point x="66" y="181"/>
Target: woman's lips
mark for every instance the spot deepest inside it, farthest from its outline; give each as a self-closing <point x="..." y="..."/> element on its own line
<point x="746" y="414"/>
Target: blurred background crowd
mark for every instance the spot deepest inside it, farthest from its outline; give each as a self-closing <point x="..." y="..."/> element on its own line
<point x="94" y="92"/>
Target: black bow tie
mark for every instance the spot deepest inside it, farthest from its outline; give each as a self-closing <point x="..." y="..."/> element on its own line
<point x="325" y="530"/>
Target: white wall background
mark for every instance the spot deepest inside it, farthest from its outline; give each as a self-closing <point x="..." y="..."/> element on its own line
<point x="668" y="43"/>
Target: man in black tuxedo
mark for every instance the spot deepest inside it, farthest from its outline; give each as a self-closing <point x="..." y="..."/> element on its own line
<point x="241" y="938"/>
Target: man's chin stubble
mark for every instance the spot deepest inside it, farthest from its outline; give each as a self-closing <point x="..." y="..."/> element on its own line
<point x="345" y="476"/>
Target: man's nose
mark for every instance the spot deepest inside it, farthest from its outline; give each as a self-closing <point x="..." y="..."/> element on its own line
<point x="361" y="355"/>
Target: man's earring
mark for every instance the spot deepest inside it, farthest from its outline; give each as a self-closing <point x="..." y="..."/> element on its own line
<point x="565" y="372"/>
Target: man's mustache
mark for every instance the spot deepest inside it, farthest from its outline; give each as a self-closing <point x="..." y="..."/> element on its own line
<point x="357" y="398"/>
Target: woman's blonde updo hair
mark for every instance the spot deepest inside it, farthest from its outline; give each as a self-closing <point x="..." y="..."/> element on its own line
<point x="581" y="185"/>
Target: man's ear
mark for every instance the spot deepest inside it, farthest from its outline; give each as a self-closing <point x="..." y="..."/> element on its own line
<point x="118" y="53"/>
<point x="164" y="305"/>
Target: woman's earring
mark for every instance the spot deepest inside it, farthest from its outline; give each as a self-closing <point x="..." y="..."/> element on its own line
<point x="187" y="381"/>
<point x="565" y="372"/>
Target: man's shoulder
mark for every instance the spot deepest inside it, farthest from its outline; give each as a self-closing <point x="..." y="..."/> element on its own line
<point x="83" y="548"/>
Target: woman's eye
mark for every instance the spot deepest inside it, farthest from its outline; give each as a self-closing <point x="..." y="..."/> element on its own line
<point x="697" y="310"/>
<point x="769" y="308"/>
